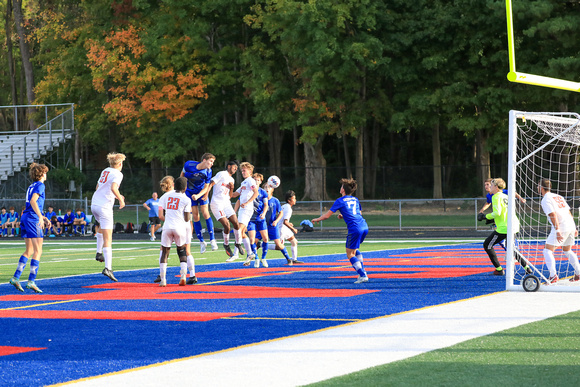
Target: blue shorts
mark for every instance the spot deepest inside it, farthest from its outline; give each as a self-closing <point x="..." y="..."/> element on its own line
<point x="198" y="202"/>
<point x="29" y="227"/>
<point x="258" y="224"/>
<point x="355" y="238"/>
<point x="273" y="233"/>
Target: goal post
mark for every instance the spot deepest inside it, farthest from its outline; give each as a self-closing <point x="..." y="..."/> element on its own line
<point x="541" y="145"/>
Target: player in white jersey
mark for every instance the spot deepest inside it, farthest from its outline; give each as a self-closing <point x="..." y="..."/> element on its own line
<point x="221" y="205"/>
<point x="247" y="193"/>
<point x="102" y="208"/>
<point x="288" y="231"/>
<point x="563" y="231"/>
<point x="174" y="210"/>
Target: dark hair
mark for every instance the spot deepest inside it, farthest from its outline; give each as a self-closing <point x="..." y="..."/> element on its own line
<point x="545" y="184"/>
<point x="288" y="195"/>
<point x="349" y="186"/>
<point x="207" y="156"/>
<point x="233" y="162"/>
<point x="180" y="184"/>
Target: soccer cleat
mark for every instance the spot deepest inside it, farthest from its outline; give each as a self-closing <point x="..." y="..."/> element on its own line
<point x="264" y="262"/>
<point x="498" y="272"/>
<point x="32" y="285"/>
<point x="289" y="261"/>
<point x="16" y="284"/>
<point x="257" y="263"/>
<point x="249" y="259"/>
<point x="241" y="248"/>
<point x="295" y="261"/>
<point x="158" y="279"/>
<point x="228" y="250"/>
<point x="576" y="278"/>
<point x="258" y="245"/>
<point x="182" y="280"/>
<point x="162" y="283"/>
<point x="100" y="257"/>
<point x="152" y="239"/>
<point x="192" y="280"/>
<point x="553" y="279"/>
<point x="109" y="273"/>
<point x="361" y="279"/>
<point x="232" y="258"/>
<point x="202" y="247"/>
<point x="214" y="245"/>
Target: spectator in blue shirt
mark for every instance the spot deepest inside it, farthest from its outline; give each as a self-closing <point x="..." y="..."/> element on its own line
<point x="152" y="206"/>
<point x="79" y="222"/>
<point x="68" y="221"/>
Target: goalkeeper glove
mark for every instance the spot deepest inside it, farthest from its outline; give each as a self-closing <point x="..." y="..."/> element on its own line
<point x="490" y="221"/>
<point x="480" y="216"/>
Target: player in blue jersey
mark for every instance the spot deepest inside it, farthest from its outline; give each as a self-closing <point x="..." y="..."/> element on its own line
<point x="32" y="224"/>
<point x="152" y="205"/>
<point x="358" y="229"/>
<point x="198" y="174"/>
<point x="3" y="219"/>
<point x="13" y="222"/>
<point x="52" y="227"/>
<point x="274" y="218"/>
<point x="258" y="222"/>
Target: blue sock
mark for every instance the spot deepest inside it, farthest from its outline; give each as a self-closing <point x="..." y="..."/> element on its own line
<point x="254" y="249"/>
<point x="197" y="228"/>
<point x="264" y="250"/>
<point x="285" y="253"/>
<point x="33" y="269"/>
<point x="358" y="265"/>
<point x="209" y="225"/>
<point x="21" y="265"/>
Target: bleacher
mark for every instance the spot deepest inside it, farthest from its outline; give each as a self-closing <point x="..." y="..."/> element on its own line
<point x="19" y="149"/>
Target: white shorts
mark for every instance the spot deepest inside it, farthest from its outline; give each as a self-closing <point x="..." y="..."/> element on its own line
<point x="244" y="215"/>
<point x="568" y="238"/>
<point x="286" y="233"/>
<point x="104" y="216"/>
<point x="177" y="236"/>
<point x="222" y="210"/>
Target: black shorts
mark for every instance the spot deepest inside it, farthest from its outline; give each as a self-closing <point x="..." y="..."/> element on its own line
<point x="154" y="220"/>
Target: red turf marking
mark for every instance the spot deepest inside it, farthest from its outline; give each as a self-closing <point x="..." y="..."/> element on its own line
<point x="5" y="350"/>
<point x="133" y="291"/>
<point x="111" y="315"/>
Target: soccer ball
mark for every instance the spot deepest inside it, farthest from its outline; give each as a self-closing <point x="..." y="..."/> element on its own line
<point x="274" y="181"/>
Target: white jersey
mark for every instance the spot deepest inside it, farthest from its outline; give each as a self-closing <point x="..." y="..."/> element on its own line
<point x="175" y="205"/>
<point x="221" y="189"/>
<point x="287" y="213"/>
<point x="104" y="196"/>
<point x="245" y="189"/>
<point x="553" y="203"/>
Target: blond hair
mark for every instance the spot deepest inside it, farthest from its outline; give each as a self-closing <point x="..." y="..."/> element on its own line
<point x="498" y="182"/>
<point x="115" y="159"/>
<point x="258" y="176"/>
<point x="166" y="183"/>
<point x="246" y="165"/>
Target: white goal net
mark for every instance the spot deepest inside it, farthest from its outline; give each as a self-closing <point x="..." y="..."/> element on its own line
<point x="542" y="146"/>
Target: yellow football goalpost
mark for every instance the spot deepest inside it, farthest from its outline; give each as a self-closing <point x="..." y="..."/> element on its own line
<point x="530" y="79"/>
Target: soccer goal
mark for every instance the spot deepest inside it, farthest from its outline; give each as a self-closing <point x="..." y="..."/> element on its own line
<point x="541" y="145"/>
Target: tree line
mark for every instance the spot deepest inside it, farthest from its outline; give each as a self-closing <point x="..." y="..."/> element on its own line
<point x="309" y="84"/>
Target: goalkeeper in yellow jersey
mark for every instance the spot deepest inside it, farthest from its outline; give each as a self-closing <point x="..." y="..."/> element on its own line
<point x="499" y="215"/>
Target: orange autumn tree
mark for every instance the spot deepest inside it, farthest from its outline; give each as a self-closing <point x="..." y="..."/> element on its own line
<point x="146" y="92"/>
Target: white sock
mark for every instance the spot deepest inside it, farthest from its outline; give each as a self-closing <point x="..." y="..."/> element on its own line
<point x="183" y="267"/>
<point x="294" y="249"/>
<point x="237" y="236"/>
<point x="550" y="261"/>
<point x="108" y="254"/>
<point x="573" y="259"/>
<point x="226" y="238"/>
<point x="160" y="255"/>
<point x="162" y="269"/>
<point x="99" y="243"/>
<point x="247" y="245"/>
<point x="236" y="252"/>
<point x="191" y="265"/>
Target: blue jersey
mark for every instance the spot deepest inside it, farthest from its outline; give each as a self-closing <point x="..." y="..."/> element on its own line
<point x="488" y="196"/>
<point x="3" y="218"/>
<point x="350" y="209"/>
<point x="259" y="203"/>
<point x="80" y="216"/>
<point x="274" y="208"/>
<point x="49" y="215"/>
<point x="13" y="217"/>
<point x="196" y="178"/>
<point x="69" y="219"/>
<point x="35" y="188"/>
<point x="154" y="207"/>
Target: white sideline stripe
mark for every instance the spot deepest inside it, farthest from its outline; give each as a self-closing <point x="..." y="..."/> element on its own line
<point x="321" y="355"/>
